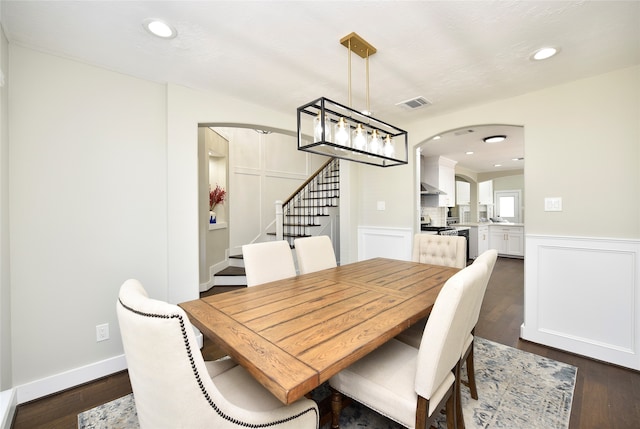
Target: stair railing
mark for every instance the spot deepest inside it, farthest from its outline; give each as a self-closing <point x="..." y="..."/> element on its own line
<point x="312" y="200"/>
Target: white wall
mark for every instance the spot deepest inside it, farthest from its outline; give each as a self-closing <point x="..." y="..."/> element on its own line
<point x="8" y="396"/>
<point x="585" y="152"/>
<point x="88" y="206"/>
<point x="263" y="168"/>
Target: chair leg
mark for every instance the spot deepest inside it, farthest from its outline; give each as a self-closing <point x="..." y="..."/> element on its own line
<point x="450" y="410"/>
<point x="336" y="409"/>
<point x="457" y="399"/>
<point x="471" y="373"/>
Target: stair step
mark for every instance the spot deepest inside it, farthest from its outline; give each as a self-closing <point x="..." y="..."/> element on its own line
<point x="230" y="276"/>
<point x="306" y="215"/>
<point x="231" y="271"/>
<point x="302" y="225"/>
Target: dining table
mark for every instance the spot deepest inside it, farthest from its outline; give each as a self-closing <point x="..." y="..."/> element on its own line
<point x="293" y="334"/>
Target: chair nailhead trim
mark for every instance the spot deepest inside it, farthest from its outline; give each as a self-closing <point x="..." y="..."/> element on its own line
<point x="201" y="384"/>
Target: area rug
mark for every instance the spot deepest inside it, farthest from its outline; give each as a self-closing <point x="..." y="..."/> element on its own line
<point x="516" y="390"/>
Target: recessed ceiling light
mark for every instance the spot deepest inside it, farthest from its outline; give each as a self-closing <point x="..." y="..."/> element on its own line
<point x="159" y="28"/>
<point x="494" y="139"/>
<point x="436" y="138"/>
<point x="469" y="153"/>
<point x="544" y="53"/>
<point x="497" y="165"/>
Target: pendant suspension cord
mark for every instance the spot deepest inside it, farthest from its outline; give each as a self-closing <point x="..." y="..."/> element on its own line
<point x="368" y="106"/>
<point x="349" y="62"/>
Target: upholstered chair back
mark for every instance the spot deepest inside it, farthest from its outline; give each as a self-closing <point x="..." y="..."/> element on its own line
<point x="488" y="260"/>
<point x="448" y="250"/>
<point x="443" y="336"/>
<point x="174" y="387"/>
<point x="267" y="262"/>
<point x="314" y="253"/>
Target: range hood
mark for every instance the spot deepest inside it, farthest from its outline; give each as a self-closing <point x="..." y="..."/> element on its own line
<point x="427" y="189"/>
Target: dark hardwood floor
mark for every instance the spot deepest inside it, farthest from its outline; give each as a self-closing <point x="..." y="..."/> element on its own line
<point x="605" y="396"/>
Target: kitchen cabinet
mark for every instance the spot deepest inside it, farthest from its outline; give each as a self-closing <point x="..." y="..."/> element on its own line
<point x="439" y="172"/>
<point x="485" y="192"/>
<point x="463" y="193"/>
<point x="507" y="240"/>
<point x="478" y="240"/>
<point x="483" y="239"/>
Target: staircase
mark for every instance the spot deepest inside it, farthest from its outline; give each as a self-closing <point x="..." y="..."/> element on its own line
<point x="313" y="206"/>
<point x="311" y="210"/>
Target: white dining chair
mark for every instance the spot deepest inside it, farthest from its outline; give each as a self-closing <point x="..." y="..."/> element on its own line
<point x="445" y="250"/>
<point x="314" y="253"/>
<point x="267" y="262"/>
<point x="488" y="260"/>
<point x="173" y="387"/>
<point x="411" y="385"/>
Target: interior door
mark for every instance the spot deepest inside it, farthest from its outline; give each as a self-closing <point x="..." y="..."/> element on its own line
<point x="507" y="205"/>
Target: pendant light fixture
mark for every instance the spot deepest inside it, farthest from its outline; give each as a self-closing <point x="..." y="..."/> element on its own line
<point x="326" y="127"/>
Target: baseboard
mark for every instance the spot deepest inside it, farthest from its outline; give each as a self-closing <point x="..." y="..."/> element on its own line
<point x="213" y="269"/>
<point x="8" y="404"/>
<point x="65" y="380"/>
<point x="75" y="377"/>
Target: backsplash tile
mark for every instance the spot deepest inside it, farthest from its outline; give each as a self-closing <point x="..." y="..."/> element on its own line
<point x="438" y="215"/>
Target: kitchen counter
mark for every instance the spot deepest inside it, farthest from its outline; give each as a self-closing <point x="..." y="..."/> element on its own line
<point x="471" y="224"/>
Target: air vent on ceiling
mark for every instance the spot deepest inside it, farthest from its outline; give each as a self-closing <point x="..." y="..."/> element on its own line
<point x="414" y="103"/>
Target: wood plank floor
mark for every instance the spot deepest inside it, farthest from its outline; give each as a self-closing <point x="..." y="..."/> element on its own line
<point x="605" y="396"/>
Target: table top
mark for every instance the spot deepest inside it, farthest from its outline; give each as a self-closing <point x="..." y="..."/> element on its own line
<point x="294" y="334"/>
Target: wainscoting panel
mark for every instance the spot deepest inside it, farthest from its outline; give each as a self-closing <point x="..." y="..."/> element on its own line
<point x="583" y="295"/>
<point x="377" y="242"/>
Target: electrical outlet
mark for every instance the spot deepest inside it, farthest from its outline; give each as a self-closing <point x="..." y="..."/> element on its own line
<point x="102" y="332"/>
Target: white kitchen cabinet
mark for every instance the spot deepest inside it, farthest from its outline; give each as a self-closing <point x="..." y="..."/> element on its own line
<point x="485" y="192"/>
<point x="478" y="240"/>
<point x="507" y="240"/>
<point x="463" y="193"/>
<point x="440" y="172"/>
<point x="483" y="239"/>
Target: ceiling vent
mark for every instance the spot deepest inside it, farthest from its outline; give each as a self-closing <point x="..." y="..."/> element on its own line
<point x="414" y="103"/>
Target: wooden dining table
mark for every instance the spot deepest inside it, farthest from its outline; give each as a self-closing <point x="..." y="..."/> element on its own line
<point x="294" y="334"/>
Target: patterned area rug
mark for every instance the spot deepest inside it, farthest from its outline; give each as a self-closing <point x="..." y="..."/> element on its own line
<point x="516" y="389"/>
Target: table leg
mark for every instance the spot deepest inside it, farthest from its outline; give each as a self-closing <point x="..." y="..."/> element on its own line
<point x="336" y="408"/>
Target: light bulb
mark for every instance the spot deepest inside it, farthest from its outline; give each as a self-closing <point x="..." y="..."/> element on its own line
<point x="375" y="145"/>
<point x="342" y="134"/>
<point x="318" y="128"/>
<point x="388" y="148"/>
<point x="359" y="138"/>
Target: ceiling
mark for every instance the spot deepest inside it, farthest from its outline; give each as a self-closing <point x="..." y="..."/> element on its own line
<point x="284" y="54"/>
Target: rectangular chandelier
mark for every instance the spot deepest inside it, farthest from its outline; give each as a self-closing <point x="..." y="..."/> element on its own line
<point x="332" y="129"/>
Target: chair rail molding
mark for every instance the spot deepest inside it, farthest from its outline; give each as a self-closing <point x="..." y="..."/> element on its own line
<point x="582" y="295"/>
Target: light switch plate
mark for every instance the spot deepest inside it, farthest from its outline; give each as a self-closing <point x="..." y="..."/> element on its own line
<point x="381" y="205"/>
<point x="553" y="204"/>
